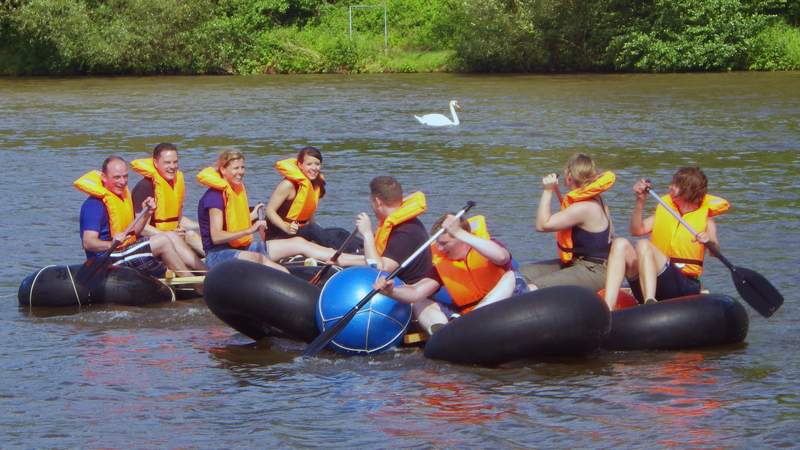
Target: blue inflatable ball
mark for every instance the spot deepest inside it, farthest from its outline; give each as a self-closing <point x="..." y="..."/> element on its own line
<point x="377" y="327"/>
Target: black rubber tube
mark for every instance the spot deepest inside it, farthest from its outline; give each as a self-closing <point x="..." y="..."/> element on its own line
<point x="687" y="322"/>
<point x="258" y="301"/>
<point x="559" y="320"/>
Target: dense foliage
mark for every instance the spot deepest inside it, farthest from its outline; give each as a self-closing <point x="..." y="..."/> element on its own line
<point x="264" y="36"/>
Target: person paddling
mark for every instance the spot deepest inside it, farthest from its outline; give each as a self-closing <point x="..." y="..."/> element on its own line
<point x="583" y="228"/>
<point x="670" y="263"/>
<point x="107" y="213"/>
<point x="474" y="269"/>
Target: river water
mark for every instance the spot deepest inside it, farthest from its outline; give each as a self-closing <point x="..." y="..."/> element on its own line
<point x="174" y="376"/>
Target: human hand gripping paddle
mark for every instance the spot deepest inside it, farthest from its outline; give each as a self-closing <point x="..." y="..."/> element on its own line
<point x="327" y="267"/>
<point x="323" y="339"/>
<point x="95" y="265"/>
<point x="752" y="286"/>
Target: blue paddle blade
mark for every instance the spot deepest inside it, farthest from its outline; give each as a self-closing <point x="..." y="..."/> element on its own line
<point x="757" y="291"/>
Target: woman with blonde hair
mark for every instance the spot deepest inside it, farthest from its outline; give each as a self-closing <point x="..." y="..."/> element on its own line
<point x="227" y="224"/>
<point x="583" y="228"/>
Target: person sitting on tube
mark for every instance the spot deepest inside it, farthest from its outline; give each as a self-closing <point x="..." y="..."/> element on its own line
<point x="163" y="180"/>
<point x="583" y="228"/>
<point x="670" y="263"/>
<point x="108" y="212"/>
<point x="400" y="232"/>
<point x="227" y="227"/>
<point x="471" y="268"/>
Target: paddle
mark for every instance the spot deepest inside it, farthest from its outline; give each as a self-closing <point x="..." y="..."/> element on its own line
<point x="752" y="286"/>
<point x="323" y="339"/>
<point x="324" y="270"/>
<point x="95" y="265"/>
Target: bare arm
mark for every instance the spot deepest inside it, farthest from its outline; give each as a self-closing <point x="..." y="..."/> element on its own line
<point x="709" y="237"/>
<point x="285" y="191"/>
<point x="220" y="236"/>
<point x="409" y="293"/>
<point x="93" y="243"/>
<point x="496" y="253"/>
<point x="638" y="226"/>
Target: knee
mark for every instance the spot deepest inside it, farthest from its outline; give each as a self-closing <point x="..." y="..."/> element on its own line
<point x="619" y="246"/>
<point x="643" y="247"/>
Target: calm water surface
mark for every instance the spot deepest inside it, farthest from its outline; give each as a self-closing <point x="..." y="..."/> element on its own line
<point x="174" y="376"/>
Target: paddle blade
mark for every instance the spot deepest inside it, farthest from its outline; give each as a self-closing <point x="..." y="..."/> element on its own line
<point x="757" y="291"/>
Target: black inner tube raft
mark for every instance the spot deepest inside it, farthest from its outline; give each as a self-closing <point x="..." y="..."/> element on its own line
<point x="694" y="321"/>
<point x="55" y="286"/>
<point x="554" y="321"/>
<point x="259" y="301"/>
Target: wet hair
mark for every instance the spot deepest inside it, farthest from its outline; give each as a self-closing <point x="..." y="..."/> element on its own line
<point x="163" y="147"/>
<point x="581" y="169"/>
<point x="438" y="224"/>
<point x="387" y="189"/>
<point x="227" y="156"/>
<point x="692" y="184"/>
<point x="313" y="152"/>
<point x="111" y="159"/>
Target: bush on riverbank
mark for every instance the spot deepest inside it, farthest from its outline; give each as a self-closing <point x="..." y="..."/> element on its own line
<point x="299" y="36"/>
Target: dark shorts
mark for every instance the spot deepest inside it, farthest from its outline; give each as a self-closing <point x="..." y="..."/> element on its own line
<point x="671" y="283"/>
<point x="138" y="256"/>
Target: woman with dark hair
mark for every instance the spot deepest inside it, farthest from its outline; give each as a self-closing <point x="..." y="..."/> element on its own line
<point x="291" y="207"/>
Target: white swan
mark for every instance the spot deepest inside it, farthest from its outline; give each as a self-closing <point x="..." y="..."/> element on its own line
<point x="440" y="120"/>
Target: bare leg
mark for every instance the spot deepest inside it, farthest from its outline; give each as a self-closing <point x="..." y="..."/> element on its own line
<point x="428" y="314"/>
<point x="281" y="248"/>
<point x="651" y="260"/>
<point x="162" y="248"/>
<point x="260" y="259"/>
<point x="622" y="261"/>
<point x="501" y="291"/>
<point x="187" y="255"/>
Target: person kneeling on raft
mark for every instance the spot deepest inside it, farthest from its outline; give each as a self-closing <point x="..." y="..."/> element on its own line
<point x="475" y="269"/>
<point x="107" y="213"/>
<point x="227" y="227"/>
<point x="668" y="265"/>
<point x="583" y="228"/>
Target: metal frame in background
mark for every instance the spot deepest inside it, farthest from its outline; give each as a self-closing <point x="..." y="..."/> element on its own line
<point x="385" y="22"/>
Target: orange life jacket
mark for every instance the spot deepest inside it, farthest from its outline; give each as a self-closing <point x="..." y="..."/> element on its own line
<point x="587" y="192"/>
<point x="412" y="206"/>
<point x="237" y="208"/>
<point x="307" y="196"/>
<point x="469" y="280"/>
<point x="119" y="210"/>
<point x="675" y="241"/>
<point x="169" y="197"/>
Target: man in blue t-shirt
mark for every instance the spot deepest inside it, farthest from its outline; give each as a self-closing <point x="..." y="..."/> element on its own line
<point x="144" y="254"/>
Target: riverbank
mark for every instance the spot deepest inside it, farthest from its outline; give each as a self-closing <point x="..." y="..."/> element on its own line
<point x="79" y="37"/>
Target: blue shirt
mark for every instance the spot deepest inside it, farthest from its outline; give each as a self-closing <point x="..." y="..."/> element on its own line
<point x="211" y="199"/>
<point x="94" y="218"/>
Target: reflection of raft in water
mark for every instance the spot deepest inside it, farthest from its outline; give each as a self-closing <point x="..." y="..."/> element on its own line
<point x="258" y="302"/>
<point x="55" y="286"/>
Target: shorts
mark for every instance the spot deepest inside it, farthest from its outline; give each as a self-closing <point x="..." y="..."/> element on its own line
<point x="138" y="256"/>
<point x="582" y="272"/>
<point x="671" y="283"/>
<point x="218" y="256"/>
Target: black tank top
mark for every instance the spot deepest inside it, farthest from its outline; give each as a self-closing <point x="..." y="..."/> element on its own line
<point x="592" y="245"/>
